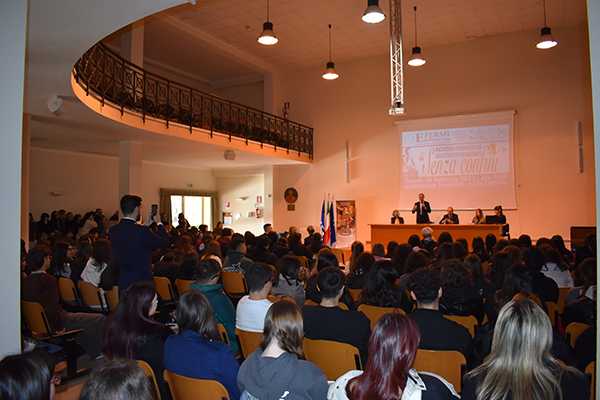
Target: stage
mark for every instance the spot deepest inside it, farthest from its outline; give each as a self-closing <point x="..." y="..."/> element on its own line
<point x="384" y="233"/>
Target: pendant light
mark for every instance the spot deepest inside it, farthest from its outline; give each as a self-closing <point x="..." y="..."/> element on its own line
<point x="267" y="37"/>
<point x="546" y="40"/>
<point x="373" y="14"/>
<point x="330" y="74"/>
<point x="416" y="59"/>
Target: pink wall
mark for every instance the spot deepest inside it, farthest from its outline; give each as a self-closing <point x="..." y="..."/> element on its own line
<point x="88" y="181"/>
<point x="549" y="90"/>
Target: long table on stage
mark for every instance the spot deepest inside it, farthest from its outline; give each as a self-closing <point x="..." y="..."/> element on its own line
<point x="384" y="233"/>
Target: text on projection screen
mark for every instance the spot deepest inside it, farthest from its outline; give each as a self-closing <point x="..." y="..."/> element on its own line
<point x="466" y="168"/>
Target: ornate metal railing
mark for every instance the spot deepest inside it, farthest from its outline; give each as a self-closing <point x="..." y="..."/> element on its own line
<point x="110" y="78"/>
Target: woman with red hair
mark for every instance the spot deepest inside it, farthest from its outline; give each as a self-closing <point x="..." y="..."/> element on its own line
<point x="389" y="374"/>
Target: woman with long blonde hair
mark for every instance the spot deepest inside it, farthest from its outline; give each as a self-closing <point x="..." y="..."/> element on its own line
<point x="520" y="366"/>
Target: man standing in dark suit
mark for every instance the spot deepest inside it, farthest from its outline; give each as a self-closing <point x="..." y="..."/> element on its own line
<point x="133" y="244"/>
<point x="449" y="218"/>
<point x="422" y="208"/>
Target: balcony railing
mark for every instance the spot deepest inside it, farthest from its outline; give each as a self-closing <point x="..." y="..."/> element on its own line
<point x="110" y="78"/>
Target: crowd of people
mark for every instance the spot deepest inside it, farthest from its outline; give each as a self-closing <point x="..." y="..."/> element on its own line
<point x="295" y="288"/>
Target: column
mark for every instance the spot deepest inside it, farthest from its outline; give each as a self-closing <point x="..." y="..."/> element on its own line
<point x="130" y="168"/>
<point x="25" y="151"/>
<point x="132" y="43"/>
<point x="13" y="28"/>
<point x="593" y="9"/>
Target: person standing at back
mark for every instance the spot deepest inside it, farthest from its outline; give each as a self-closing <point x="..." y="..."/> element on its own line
<point x="133" y="244"/>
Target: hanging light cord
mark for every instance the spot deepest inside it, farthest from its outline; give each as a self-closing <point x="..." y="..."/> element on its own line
<point x="415" y="8"/>
<point x="545" y="20"/>
<point x="329" y="42"/>
<point x="267" y="10"/>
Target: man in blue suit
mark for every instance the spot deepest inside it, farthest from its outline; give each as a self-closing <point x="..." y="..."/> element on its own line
<point x="133" y="244"/>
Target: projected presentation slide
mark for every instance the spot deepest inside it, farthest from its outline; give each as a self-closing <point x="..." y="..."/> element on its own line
<point x="469" y="167"/>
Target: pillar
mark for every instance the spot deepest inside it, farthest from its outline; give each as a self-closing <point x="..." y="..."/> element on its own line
<point x="593" y="9"/>
<point x="132" y="43"/>
<point x="130" y="168"/>
<point x="13" y="28"/>
<point x="25" y="151"/>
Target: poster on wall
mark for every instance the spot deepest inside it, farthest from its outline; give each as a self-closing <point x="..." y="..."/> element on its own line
<point x="346" y="223"/>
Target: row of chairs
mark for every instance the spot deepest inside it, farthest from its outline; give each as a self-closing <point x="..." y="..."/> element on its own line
<point x="234" y="285"/>
<point x="86" y="295"/>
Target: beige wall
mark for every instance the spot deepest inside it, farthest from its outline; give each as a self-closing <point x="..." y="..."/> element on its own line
<point x="233" y="189"/>
<point x="250" y="94"/>
<point x="549" y="90"/>
<point x="80" y="182"/>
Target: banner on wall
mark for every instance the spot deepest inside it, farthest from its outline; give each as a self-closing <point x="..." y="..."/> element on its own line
<point x="346" y="222"/>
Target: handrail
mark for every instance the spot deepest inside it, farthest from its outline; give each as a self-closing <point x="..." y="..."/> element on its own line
<point x="107" y="76"/>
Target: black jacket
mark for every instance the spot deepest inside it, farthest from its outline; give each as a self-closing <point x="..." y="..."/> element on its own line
<point x="422" y="212"/>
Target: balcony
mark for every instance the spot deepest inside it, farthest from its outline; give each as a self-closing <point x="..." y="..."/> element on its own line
<point x="112" y="81"/>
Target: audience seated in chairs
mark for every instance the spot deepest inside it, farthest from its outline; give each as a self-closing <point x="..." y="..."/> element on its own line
<point x="389" y="373"/>
<point x="131" y="333"/>
<point x="520" y="362"/>
<point x="437" y="332"/>
<point x="252" y="308"/>
<point x="118" y="379"/>
<point x="41" y="287"/>
<point x="27" y="376"/>
<point x="329" y="322"/>
<point x="290" y="282"/>
<point x="359" y="270"/>
<point x="459" y="294"/>
<point x="545" y="287"/>
<point x="207" y="282"/>
<point x="98" y="270"/>
<point x="555" y="267"/>
<point x="326" y="258"/>
<point x="277" y="369"/>
<point x="197" y="350"/>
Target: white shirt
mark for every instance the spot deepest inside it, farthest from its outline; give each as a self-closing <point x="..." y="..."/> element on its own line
<point x="92" y="272"/>
<point x="562" y="278"/>
<point x="250" y="314"/>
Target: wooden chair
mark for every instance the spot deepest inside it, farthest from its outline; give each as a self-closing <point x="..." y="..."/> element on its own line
<point x="150" y="374"/>
<point x="68" y="292"/>
<point x="183" y="286"/>
<point x="39" y="326"/>
<point x="112" y="298"/>
<point x="184" y="388"/>
<point x="93" y="297"/>
<point x="355" y="294"/>
<point x="249" y="341"/>
<point x="234" y="283"/>
<point x="374" y="313"/>
<point x="449" y="364"/>
<point x="334" y="358"/>
<point x="223" y="333"/>
<point x="164" y="289"/>
<point x="552" y="309"/>
<point x="469" y="322"/>
<point x="590" y="370"/>
<point x="573" y="330"/>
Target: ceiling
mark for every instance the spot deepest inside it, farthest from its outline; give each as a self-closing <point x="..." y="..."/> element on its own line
<point x="302" y="29"/>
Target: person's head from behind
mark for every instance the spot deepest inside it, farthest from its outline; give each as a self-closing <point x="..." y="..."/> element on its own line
<point x="392" y="350"/>
<point x="117" y="380"/>
<point x="520" y="362"/>
<point x="445" y="237"/>
<point x="363" y="264"/>
<point x="378" y="250"/>
<point x="194" y="313"/>
<point x="473" y="263"/>
<point x="585" y="273"/>
<point x="39" y="258"/>
<point x="379" y="287"/>
<point x="533" y="259"/>
<point x="517" y="280"/>
<point x="130" y="206"/>
<point x="237" y="243"/>
<point x="26" y="376"/>
<point x="445" y="251"/>
<point x="454" y="274"/>
<point x="130" y="320"/>
<point x="415" y="261"/>
<point x="478" y="245"/>
<point x="459" y="249"/>
<point x="357" y="248"/>
<point x="414" y="241"/>
<point x="425" y="287"/>
<point x="259" y="277"/>
<point x="391" y="248"/>
<point x="284" y="328"/>
<point x="330" y="283"/>
<point x="310" y="230"/>
<point x="525" y="241"/>
<point x="326" y="259"/>
<point x="209" y="272"/>
<point x="289" y="267"/>
<point x="490" y="242"/>
<point x="101" y="251"/>
<point x="551" y="255"/>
